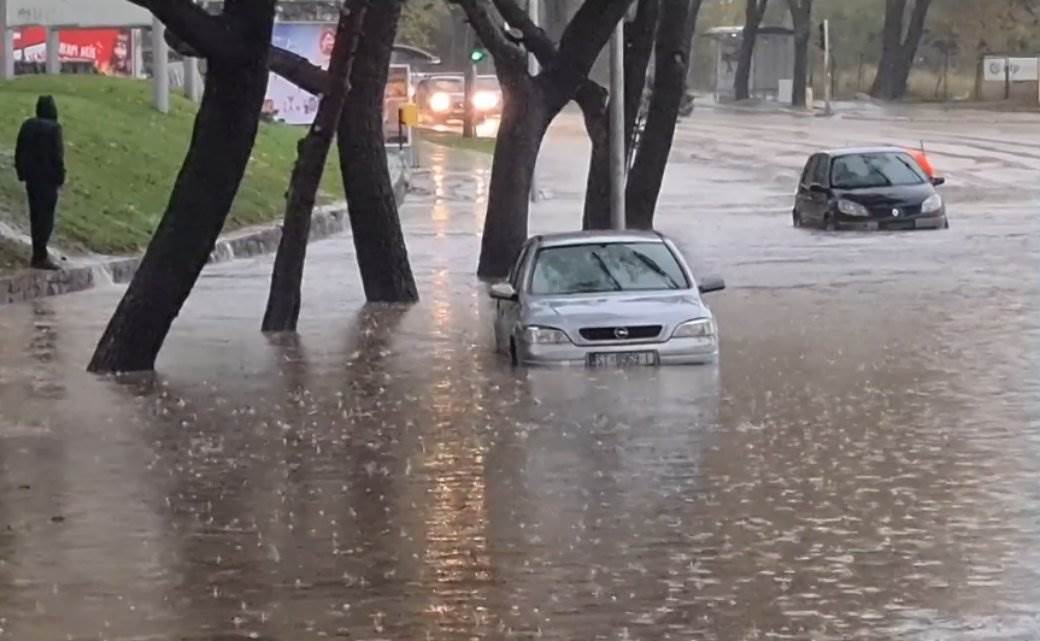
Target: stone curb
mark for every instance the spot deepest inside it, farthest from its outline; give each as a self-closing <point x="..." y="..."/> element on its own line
<point x="29" y="285"/>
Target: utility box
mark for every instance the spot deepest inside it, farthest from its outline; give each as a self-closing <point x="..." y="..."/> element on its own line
<point x="772" y="63"/>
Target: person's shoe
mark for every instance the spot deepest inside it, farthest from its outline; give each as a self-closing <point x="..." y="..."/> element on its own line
<point x="45" y="264"/>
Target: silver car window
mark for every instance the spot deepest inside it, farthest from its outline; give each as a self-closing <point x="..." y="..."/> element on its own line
<point x="612" y="267"/>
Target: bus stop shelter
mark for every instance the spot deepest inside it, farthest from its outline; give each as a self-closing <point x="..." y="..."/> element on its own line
<point x="771" y="67"/>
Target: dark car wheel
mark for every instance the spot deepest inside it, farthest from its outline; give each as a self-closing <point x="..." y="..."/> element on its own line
<point x="797" y="217"/>
<point x="513" y="358"/>
<point x="829" y="224"/>
<point x="946" y="223"/>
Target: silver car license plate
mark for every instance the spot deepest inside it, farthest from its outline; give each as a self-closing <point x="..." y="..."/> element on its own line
<point x="623" y="359"/>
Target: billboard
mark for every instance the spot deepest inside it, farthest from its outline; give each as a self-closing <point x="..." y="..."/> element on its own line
<point x="398" y="94"/>
<point x="109" y="50"/>
<point x="75" y="13"/>
<point x="285" y="101"/>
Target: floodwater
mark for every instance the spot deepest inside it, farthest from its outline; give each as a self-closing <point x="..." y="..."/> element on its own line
<point x="863" y="464"/>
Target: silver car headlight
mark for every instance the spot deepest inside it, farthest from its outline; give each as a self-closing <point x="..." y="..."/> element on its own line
<point x="535" y="335"/>
<point x="932" y="205"/>
<point x="700" y="328"/>
<point x="850" y="208"/>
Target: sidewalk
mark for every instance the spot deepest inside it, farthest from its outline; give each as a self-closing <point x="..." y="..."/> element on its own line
<point x="91" y="271"/>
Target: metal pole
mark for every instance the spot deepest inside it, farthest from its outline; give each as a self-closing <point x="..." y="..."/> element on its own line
<point x="827" y="90"/>
<point x="160" y="67"/>
<point x="6" y="45"/>
<point x="53" y="51"/>
<point x="192" y="79"/>
<point x="618" y="170"/>
<point x="469" y="129"/>
<point x="533" y="67"/>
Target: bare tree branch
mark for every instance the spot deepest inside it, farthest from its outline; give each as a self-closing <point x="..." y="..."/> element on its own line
<point x="534" y="37"/>
<point x="298" y="70"/>
<point x="583" y="40"/>
<point x="490" y="29"/>
<point x="211" y="36"/>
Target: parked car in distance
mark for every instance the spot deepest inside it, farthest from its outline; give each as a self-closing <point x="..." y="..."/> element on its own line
<point x="443" y="97"/>
<point x="868" y="189"/>
<point x="604" y="299"/>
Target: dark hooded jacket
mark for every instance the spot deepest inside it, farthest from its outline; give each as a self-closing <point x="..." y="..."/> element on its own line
<point x="40" y="155"/>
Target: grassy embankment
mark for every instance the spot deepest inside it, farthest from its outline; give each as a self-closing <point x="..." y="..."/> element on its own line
<point x="123" y="157"/>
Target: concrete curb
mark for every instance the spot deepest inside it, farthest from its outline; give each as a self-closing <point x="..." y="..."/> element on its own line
<point x="29" y="285"/>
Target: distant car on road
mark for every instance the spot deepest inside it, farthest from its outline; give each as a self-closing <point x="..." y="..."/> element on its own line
<point x="868" y="189"/>
<point x="443" y="98"/>
<point x="604" y="299"/>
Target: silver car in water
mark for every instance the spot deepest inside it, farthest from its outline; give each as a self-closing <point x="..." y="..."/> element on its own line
<point x="604" y="299"/>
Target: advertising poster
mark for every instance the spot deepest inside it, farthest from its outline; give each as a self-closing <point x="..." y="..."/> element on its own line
<point x="109" y="50"/>
<point x="285" y="101"/>
<point x="397" y="95"/>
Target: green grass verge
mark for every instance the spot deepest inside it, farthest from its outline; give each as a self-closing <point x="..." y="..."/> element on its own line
<point x="123" y="157"/>
<point x="456" y="141"/>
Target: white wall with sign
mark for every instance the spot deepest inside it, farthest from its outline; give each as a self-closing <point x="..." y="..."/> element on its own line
<point x="1000" y="69"/>
<point x="75" y="13"/>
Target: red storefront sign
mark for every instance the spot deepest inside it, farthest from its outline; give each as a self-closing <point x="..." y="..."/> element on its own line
<point x="107" y="49"/>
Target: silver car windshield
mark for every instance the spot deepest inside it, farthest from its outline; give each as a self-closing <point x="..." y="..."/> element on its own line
<point x="613" y="267"/>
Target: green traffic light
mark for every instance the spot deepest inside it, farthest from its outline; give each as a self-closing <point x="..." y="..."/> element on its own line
<point x="477" y="55"/>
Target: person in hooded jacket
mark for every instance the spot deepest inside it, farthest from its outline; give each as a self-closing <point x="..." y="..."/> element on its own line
<point x="40" y="163"/>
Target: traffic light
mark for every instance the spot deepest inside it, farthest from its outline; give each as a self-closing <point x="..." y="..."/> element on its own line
<point x="477" y="55"/>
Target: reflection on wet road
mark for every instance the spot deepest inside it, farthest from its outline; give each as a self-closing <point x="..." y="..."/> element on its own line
<point x="862" y="465"/>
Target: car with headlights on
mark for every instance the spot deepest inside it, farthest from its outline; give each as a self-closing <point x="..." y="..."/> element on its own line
<point x="604" y="299"/>
<point x="443" y="98"/>
<point x="868" y="189"/>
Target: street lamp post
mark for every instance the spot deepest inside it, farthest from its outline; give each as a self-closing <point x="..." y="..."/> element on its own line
<point x="532" y="67"/>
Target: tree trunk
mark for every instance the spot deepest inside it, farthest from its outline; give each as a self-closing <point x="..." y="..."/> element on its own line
<point x="801" y="19"/>
<point x="283" y="303"/>
<point x="378" y="239"/>
<point x="525" y="119"/>
<point x="897" y="53"/>
<point x="674" y="42"/>
<point x="639" y="47"/>
<point x="752" y="20"/>
<point x="223" y="137"/>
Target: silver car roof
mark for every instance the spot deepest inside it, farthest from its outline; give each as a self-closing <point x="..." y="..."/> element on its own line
<point x="596" y="237"/>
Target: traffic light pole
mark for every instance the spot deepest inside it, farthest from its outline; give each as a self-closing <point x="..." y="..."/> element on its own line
<point x="469" y="129"/>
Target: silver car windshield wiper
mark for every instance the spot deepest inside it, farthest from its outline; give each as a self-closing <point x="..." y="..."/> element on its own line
<point x="606" y="270"/>
<point x="652" y="265"/>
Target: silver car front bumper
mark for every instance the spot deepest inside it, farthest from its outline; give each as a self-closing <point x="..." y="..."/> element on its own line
<point x="676" y="351"/>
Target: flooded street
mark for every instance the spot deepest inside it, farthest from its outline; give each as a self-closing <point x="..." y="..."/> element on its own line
<point x="864" y="463"/>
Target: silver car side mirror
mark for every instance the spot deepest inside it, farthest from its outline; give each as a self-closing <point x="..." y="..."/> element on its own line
<point x="503" y="291"/>
<point x="712" y="283"/>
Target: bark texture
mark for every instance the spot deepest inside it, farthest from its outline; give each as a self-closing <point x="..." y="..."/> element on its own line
<point x="236" y="44"/>
<point x="754" y="12"/>
<point x="898" y="50"/>
<point x="283" y="303"/>
<point x="378" y="238"/>
<point x="640" y="36"/>
<point x="801" y="17"/>
<point x="674" y="43"/>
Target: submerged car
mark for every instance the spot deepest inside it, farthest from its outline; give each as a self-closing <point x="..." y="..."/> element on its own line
<point x="868" y="189"/>
<point x="604" y="299"/>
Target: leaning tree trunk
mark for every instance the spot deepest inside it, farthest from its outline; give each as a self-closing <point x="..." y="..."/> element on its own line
<point x="674" y="43"/>
<point x="525" y="118"/>
<point x="752" y="20"/>
<point x="639" y="47"/>
<point x="225" y="130"/>
<point x="283" y="303"/>
<point x="378" y="238"/>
